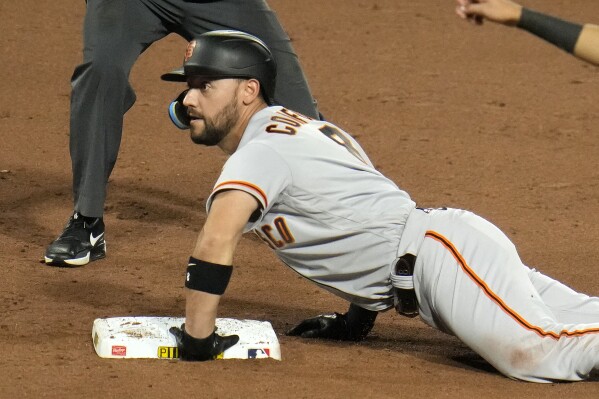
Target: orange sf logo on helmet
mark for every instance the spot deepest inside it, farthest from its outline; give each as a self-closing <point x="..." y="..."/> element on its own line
<point x="189" y="50"/>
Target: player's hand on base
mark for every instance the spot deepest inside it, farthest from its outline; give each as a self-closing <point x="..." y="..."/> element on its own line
<point x="200" y="349"/>
<point x="329" y="326"/>
<point x="501" y="11"/>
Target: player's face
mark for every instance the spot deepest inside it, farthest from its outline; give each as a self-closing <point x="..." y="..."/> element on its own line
<point x="212" y="108"/>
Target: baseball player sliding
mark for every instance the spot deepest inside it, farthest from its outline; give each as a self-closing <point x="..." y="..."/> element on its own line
<point x="310" y="192"/>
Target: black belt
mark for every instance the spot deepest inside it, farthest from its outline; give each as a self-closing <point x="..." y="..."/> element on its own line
<point x="406" y="302"/>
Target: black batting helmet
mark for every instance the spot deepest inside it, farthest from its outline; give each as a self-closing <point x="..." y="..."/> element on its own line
<point x="228" y="54"/>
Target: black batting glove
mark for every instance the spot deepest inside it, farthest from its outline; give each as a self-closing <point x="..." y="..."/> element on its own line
<point x="329" y="326"/>
<point x="201" y="349"/>
<point x="351" y="326"/>
<point x="178" y="112"/>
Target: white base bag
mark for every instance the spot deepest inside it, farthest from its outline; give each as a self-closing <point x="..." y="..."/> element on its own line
<point x="148" y="338"/>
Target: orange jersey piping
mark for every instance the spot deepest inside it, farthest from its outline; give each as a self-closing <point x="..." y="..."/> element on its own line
<point x="495" y="298"/>
<point x="257" y="189"/>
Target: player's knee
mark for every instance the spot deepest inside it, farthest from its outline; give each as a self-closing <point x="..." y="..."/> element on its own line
<point x="91" y="78"/>
<point x="103" y="76"/>
<point x="99" y="71"/>
<point x="531" y="363"/>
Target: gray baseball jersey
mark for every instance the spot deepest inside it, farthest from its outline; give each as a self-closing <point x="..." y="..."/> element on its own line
<point x="325" y="210"/>
<point x="334" y="219"/>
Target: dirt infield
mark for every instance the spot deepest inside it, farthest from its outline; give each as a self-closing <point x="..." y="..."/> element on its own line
<point x="487" y="119"/>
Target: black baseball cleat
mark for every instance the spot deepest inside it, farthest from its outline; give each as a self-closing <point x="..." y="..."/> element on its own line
<point x="81" y="242"/>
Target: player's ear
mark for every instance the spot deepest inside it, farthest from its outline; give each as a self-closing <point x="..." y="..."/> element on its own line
<point x="251" y="90"/>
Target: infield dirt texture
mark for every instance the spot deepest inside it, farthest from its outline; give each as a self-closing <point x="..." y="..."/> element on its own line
<point x="488" y="119"/>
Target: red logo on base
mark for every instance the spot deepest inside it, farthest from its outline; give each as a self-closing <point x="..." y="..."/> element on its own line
<point x="118" y="350"/>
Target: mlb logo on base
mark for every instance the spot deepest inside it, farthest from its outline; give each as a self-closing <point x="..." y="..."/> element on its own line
<point x="258" y="353"/>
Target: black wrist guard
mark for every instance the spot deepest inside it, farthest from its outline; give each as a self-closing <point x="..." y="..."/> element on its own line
<point x="207" y="277"/>
<point x="558" y="32"/>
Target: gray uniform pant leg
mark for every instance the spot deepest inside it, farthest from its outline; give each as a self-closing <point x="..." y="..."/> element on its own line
<point x="115" y="33"/>
<point x="257" y="18"/>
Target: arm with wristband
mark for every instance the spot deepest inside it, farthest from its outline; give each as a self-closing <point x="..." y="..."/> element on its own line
<point x="580" y="40"/>
<point x="208" y="274"/>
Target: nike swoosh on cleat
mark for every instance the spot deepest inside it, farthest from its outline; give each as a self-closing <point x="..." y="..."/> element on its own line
<point x="93" y="240"/>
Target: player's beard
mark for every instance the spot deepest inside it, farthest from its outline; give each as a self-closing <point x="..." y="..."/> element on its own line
<point x="217" y="128"/>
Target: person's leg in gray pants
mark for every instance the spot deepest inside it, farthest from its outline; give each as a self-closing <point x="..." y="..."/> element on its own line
<point x="116" y="32"/>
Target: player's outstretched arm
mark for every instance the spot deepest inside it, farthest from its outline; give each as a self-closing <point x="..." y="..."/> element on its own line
<point x="208" y="274"/>
<point x="580" y="40"/>
<point x="587" y="46"/>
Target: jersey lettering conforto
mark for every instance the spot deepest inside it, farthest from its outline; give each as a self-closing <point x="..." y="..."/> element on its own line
<point x="287" y="122"/>
<point x="263" y="238"/>
<point x="335" y="134"/>
<point x="283" y="230"/>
